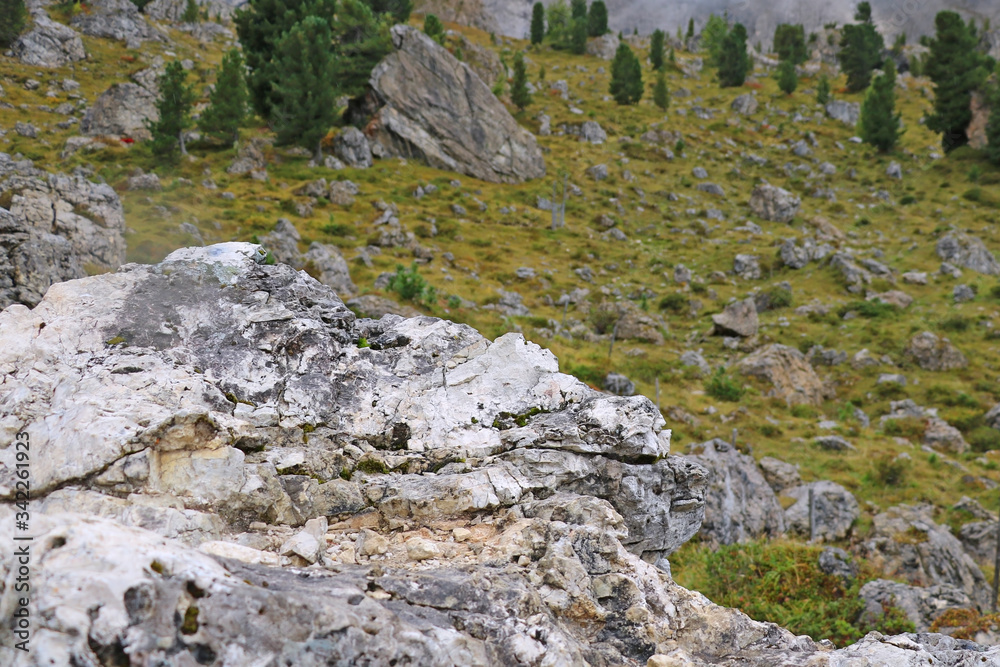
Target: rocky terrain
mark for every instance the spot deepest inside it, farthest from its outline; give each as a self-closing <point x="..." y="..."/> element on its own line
<point x="491" y="386"/>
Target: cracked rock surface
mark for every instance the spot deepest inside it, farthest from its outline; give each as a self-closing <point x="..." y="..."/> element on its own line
<point x="232" y="469"/>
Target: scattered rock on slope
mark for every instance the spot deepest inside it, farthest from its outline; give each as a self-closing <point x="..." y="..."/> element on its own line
<point x="437" y="110"/>
<point x="737" y="319"/>
<point x="774" y="204"/>
<point x="846" y="112"/>
<point x="322" y="261"/>
<point x="935" y="354"/>
<point x="121" y="111"/>
<point x="833" y="513"/>
<point x="969" y="252"/>
<point x="788" y="371"/>
<point x="921" y="605"/>
<point x="739" y="504"/>
<point x="116" y="19"/>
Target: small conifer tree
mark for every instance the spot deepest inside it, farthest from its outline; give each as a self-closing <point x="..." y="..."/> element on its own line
<point x="578" y="36"/>
<point x="879" y="122"/>
<point x="690" y="32"/>
<point x="308" y="102"/>
<point x="861" y="48"/>
<point x="656" y="49"/>
<point x="733" y="62"/>
<point x="578" y="9"/>
<point x="661" y="96"/>
<point x="823" y="90"/>
<point x="174" y="108"/>
<point x="519" y="94"/>
<point x="433" y="28"/>
<point x="597" y="19"/>
<point x="626" y="76"/>
<point x="790" y="43"/>
<point x="787" y="80"/>
<point x="713" y="37"/>
<point x="190" y="14"/>
<point x="537" y="23"/>
<point x="12" y="20"/>
<point x="993" y="131"/>
<point x="227" y="106"/>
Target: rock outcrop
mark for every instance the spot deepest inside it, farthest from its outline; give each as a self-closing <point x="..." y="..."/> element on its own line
<point x="935" y="354"/>
<point x="48" y="44"/>
<point x="969" y="252"/>
<point x="58" y="228"/>
<point x="739" y="504"/>
<point x="833" y="512"/>
<point x="436" y="109"/>
<point x="736" y="319"/>
<point x="921" y="605"/>
<point x="774" y="204"/>
<point x="116" y="19"/>
<point x="213" y="425"/>
<point x="121" y="111"/>
<point x="906" y="543"/>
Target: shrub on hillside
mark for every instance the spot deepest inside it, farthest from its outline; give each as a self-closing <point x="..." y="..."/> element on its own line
<point x="722" y="387"/>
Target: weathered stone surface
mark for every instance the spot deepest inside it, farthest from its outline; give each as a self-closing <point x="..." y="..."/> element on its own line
<point x="739" y="504"/>
<point x="121" y="111"/>
<point x="935" y="354"/>
<point x="48" y="44"/>
<point x="774" y="204"/>
<point x="58" y="227"/>
<point x="374" y="306"/>
<point x="603" y="47"/>
<point x="846" y="112"/>
<point x="921" y="605"/>
<point x="779" y="474"/>
<point x="833" y="513"/>
<point x="906" y="543"/>
<point x="737" y="319"/>
<point x="629" y="322"/>
<point x="937" y="432"/>
<point x="437" y="110"/>
<point x="116" y="19"/>
<point x="249" y="159"/>
<point x="979" y="539"/>
<point x="788" y="371"/>
<point x="218" y="392"/>
<point x="798" y="256"/>
<point x="969" y="252"/>
<point x="745" y="105"/>
<point x="992" y="417"/>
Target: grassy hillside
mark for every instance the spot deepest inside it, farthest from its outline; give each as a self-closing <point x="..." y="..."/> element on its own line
<point x="667" y="222"/>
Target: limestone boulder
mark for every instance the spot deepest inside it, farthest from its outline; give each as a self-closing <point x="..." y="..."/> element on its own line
<point x="774" y="204"/>
<point x="921" y="605"/>
<point x="789" y="373"/>
<point x="121" y="111"/>
<point x="435" y="109"/>
<point x="119" y="20"/>
<point x="834" y="510"/>
<point x="968" y="252"/>
<point x="737" y="319"/>
<point x="48" y="44"/>
<point x="932" y="353"/>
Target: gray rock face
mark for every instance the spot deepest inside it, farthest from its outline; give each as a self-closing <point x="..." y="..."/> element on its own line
<point x="779" y="474"/>
<point x="739" y="504"/>
<point x="48" y="44"/>
<point x="249" y="159"/>
<point x="322" y="261"/>
<point x="833" y="513"/>
<point x="992" y="417"/>
<point x="837" y="562"/>
<point x="603" y="47"/>
<point x="846" y="112"/>
<point x="747" y="267"/>
<point x="788" y="371"/>
<point x="745" y="105"/>
<point x="969" y="252"/>
<point x="774" y="204"/>
<point x="116" y="19"/>
<point x="798" y="256"/>
<point x="592" y="132"/>
<point x="218" y="391"/>
<point x="921" y="605"/>
<point x="979" y="539"/>
<point x="352" y="147"/>
<point x="737" y="319"/>
<point x="437" y="110"/>
<point x="619" y="385"/>
<point x="906" y="543"/>
<point x="935" y="354"/>
<point x="121" y="111"/>
<point x="57" y="228"/>
<point x="598" y="172"/>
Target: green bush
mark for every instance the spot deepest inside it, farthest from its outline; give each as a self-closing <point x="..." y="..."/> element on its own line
<point x="955" y="323"/>
<point x="781" y="582"/>
<point x="338" y="229"/>
<point x="410" y="285"/>
<point x="722" y="387"/>
<point x="868" y="309"/>
<point x="890" y="470"/>
<point x="674" y="303"/>
<point x="984" y="439"/>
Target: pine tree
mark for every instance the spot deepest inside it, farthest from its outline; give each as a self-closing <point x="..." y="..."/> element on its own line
<point x="690" y="32"/>
<point x="861" y="48"/>
<point x="790" y="43"/>
<point x="12" y="20"/>
<point x="578" y="36"/>
<point x="559" y="22"/>
<point x="398" y="10"/>
<point x="733" y="61"/>
<point x="190" y="14"/>
<point x="519" y="94"/>
<point x="174" y="108"/>
<point x="305" y="64"/>
<point x="626" y="76"/>
<point x="597" y="19"/>
<point x="823" y="90"/>
<point x="361" y="41"/>
<point x="260" y="26"/>
<point x="957" y="68"/>
<point x="656" y="49"/>
<point x="227" y="106"/>
<point x="578" y="9"/>
<point x="879" y="122"/>
<point x="787" y="79"/>
<point x="661" y="96"/>
<point x="713" y="36"/>
<point x="537" y="23"/>
<point x="433" y="28"/>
